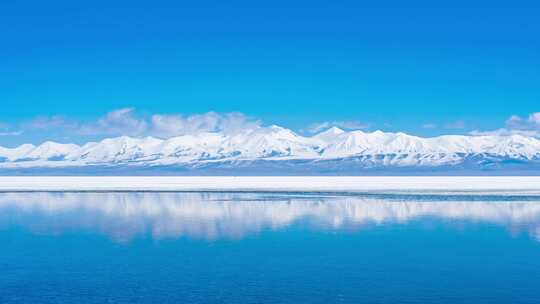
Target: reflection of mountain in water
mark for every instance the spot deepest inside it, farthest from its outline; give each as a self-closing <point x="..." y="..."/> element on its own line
<point x="123" y="216"/>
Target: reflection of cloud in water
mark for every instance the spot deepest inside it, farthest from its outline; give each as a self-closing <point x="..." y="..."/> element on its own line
<point x="123" y="216"/>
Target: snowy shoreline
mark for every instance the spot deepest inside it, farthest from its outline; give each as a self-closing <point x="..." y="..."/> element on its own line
<point x="522" y="185"/>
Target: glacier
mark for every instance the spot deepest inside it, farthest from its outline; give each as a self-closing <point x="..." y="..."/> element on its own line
<point x="275" y="150"/>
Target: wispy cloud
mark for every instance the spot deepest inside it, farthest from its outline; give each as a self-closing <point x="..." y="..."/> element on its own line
<point x="455" y="125"/>
<point x="532" y="122"/>
<point x="429" y="126"/>
<point x="517" y="125"/>
<point x="6" y="131"/>
<point x="505" y="132"/>
<point x="177" y="124"/>
<point x="118" y="122"/>
<point x="344" y="124"/>
<point x="11" y="133"/>
<point x="127" y="121"/>
<point x="46" y="122"/>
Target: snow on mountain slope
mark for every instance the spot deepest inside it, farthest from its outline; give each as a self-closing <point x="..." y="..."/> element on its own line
<point x="278" y="144"/>
<point x="329" y="135"/>
<point x="15" y="153"/>
<point x="115" y="150"/>
<point x="271" y="142"/>
<point x="189" y="147"/>
<point x="50" y="151"/>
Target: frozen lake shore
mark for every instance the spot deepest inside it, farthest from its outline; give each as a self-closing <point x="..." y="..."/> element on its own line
<point x="336" y="184"/>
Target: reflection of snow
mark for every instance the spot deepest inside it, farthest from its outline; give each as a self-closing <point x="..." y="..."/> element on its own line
<point x="123" y="216"/>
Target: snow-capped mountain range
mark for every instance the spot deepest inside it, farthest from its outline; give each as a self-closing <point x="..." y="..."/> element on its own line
<point x="280" y="149"/>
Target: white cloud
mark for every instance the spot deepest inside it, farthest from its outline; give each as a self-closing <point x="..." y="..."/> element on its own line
<point x="118" y="122"/>
<point x="513" y="122"/>
<point x="532" y="122"/>
<point x="348" y="125"/>
<point x="455" y="125"/>
<point x="534" y="119"/>
<point x="176" y="124"/>
<point x="517" y="125"/>
<point x="46" y="122"/>
<point x="5" y="130"/>
<point x="10" y="133"/>
<point x="505" y="132"/>
<point x="127" y="121"/>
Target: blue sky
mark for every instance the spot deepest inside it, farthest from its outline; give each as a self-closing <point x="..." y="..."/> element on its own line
<point x="422" y="67"/>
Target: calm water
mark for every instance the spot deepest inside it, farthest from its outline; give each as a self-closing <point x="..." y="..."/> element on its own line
<point x="268" y="248"/>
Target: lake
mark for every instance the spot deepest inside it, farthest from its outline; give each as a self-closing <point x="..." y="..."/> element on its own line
<point x="211" y="247"/>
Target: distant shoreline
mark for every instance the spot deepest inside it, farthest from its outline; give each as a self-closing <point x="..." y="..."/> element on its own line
<point x="470" y="185"/>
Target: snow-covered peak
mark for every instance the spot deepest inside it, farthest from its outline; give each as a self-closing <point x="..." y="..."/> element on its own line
<point x="277" y="143"/>
<point x="273" y="141"/>
<point x="50" y="150"/>
<point x="13" y="154"/>
<point x="329" y="135"/>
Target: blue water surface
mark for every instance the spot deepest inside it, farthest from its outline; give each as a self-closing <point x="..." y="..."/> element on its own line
<point x="268" y="248"/>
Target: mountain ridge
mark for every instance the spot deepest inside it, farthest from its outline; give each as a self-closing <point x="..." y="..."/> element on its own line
<point x="283" y="148"/>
